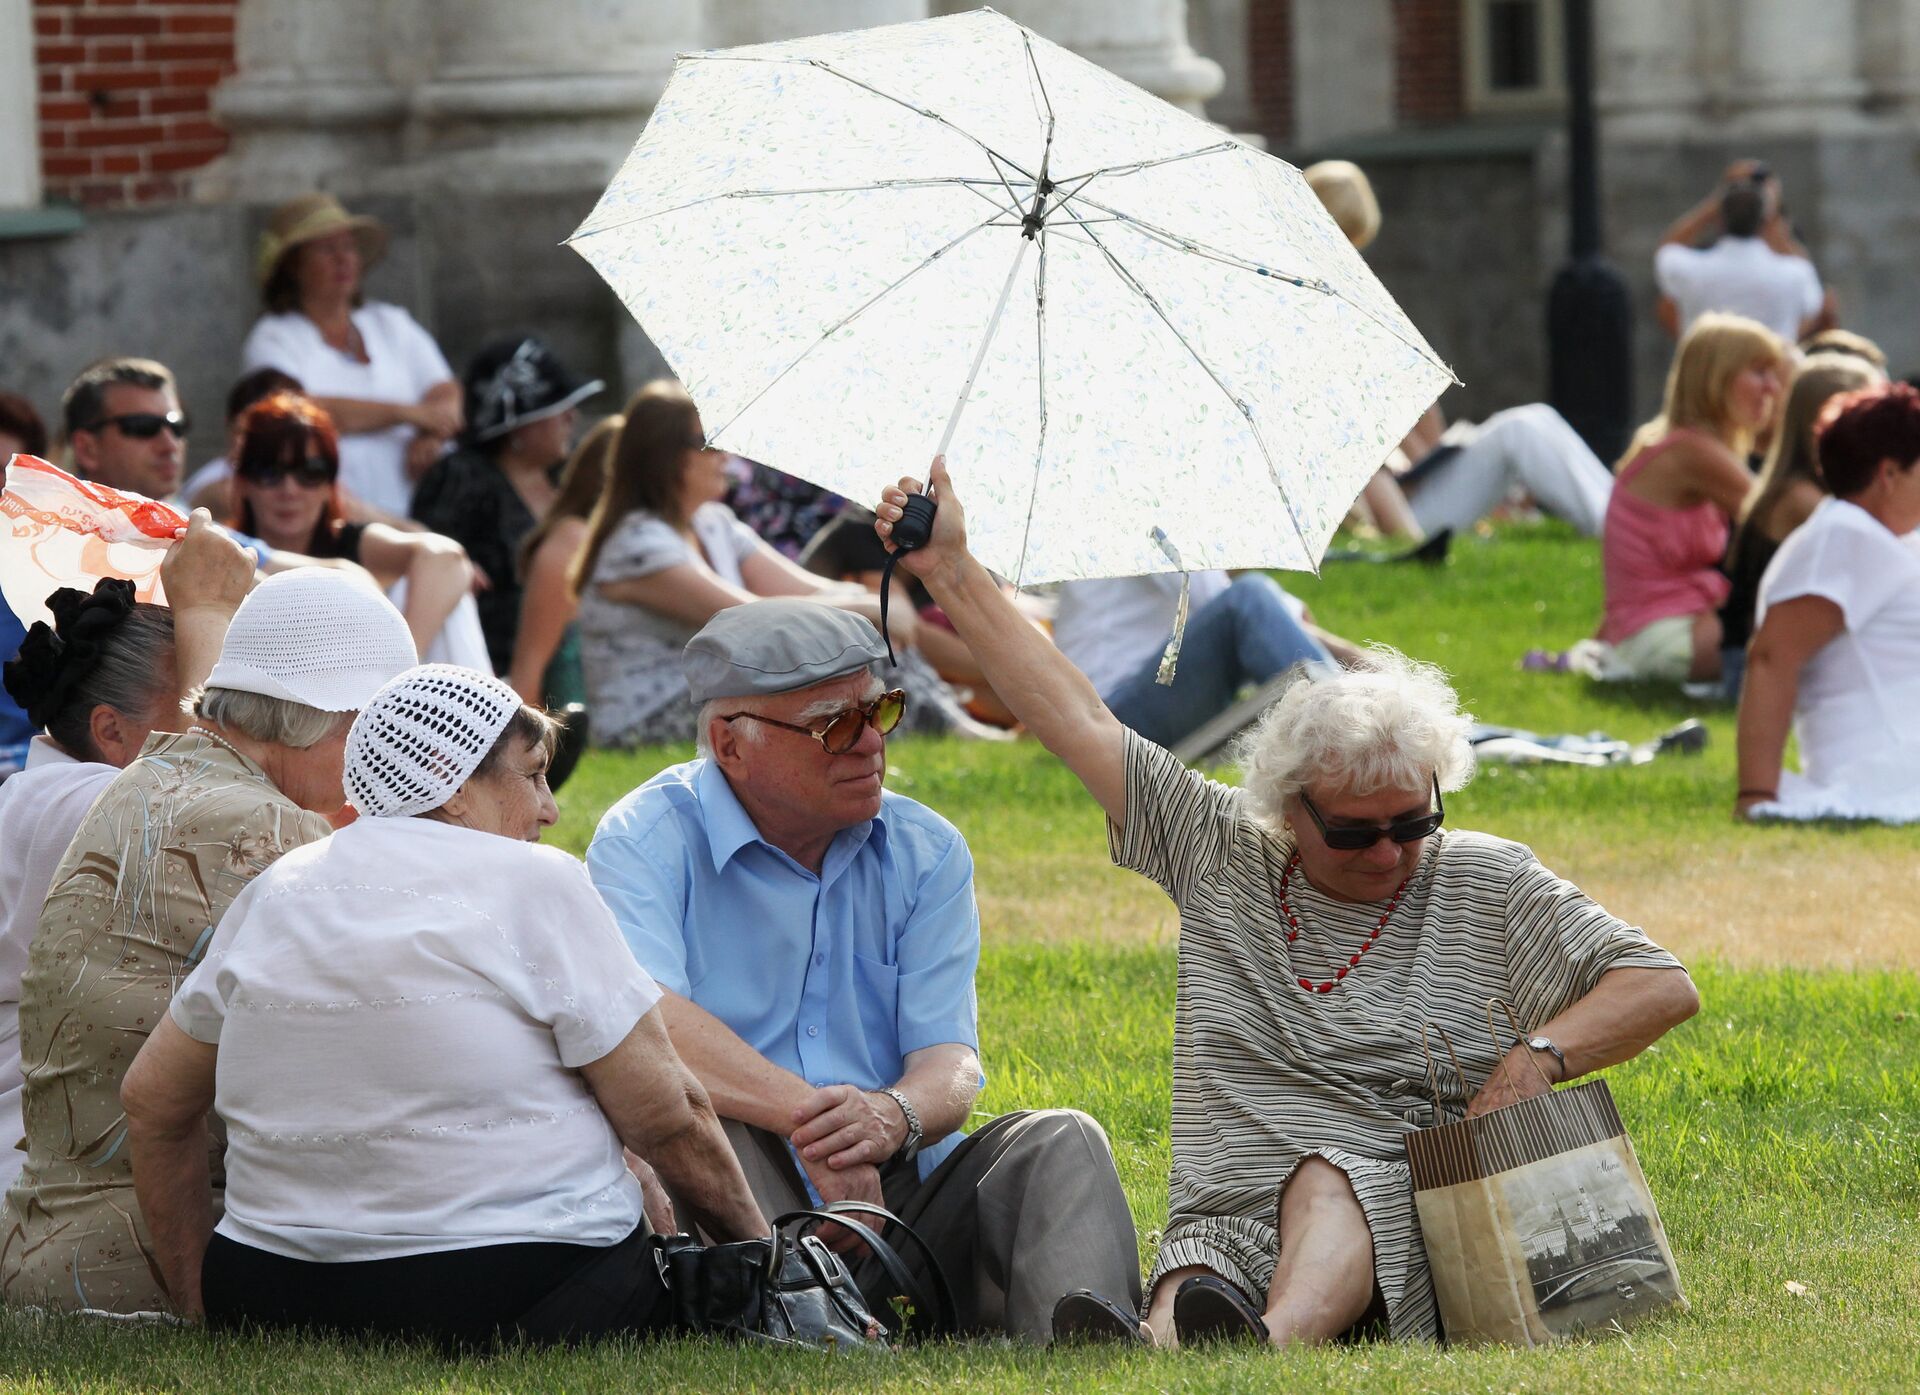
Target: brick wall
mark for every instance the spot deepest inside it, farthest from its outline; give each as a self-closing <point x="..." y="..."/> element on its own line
<point x="1270" y="68"/>
<point x="1429" y="75"/>
<point x="125" y="88"/>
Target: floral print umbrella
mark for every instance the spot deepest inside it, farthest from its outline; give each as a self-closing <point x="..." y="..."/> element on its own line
<point x="1145" y="346"/>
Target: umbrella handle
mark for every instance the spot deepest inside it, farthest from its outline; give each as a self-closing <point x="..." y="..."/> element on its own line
<point x="913" y="530"/>
<point x="966" y="391"/>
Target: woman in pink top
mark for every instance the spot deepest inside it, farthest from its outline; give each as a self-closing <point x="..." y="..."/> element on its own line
<point x="1675" y="494"/>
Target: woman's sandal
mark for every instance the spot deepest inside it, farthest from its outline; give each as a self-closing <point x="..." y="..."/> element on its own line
<point x="1084" y="1316"/>
<point x="1207" y="1308"/>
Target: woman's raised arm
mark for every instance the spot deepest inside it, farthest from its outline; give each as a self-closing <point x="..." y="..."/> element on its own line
<point x="1051" y="697"/>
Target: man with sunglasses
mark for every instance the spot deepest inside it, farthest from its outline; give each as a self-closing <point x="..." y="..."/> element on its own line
<point x="125" y="428"/>
<point x="815" y="938"/>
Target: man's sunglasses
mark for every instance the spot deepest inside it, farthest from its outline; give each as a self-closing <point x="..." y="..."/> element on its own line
<point x="1365" y="836"/>
<point x="842" y="734"/>
<point x="144" y="426"/>
<point x="314" y="470"/>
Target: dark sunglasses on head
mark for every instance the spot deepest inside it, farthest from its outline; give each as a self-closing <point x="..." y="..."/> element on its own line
<point x="1366" y="835"/>
<point x="313" y="470"/>
<point x="144" y="426"/>
<point x="842" y="734"/>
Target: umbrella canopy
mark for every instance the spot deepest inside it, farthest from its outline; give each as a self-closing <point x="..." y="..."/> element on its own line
<point x="1168" y="355"/>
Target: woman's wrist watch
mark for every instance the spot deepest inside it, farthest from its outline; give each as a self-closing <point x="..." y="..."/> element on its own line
<point x="911" y="1143"/>
<point x="1537" y="1042"/>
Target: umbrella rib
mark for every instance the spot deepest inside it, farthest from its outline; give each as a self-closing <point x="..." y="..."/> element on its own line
<point x="879" y="186"/>
<point x="826" y="67"/>
<point x="1133" y="282"/>
<point x="1040" y="373"/>
<point x="855" y="314"/>
<point x="1315" y="283"/>
<point x="1135" y="166"/>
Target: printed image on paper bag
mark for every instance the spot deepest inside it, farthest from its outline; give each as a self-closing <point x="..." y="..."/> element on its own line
<point x="1594" y="1254"/>
<point x="57" y="531"/>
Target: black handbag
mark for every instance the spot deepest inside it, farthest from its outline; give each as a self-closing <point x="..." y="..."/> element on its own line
<point x="789" y="1289"/>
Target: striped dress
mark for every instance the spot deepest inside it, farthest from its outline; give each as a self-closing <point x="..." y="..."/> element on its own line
<point x="1265" y="1075"/>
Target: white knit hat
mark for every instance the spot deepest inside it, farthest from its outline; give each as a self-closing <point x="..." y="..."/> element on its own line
<point x="314" y="636"/>
<point x="422" y="736"/>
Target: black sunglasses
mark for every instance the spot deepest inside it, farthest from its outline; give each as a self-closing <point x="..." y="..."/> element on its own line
<point x="1365" y="836"/>
<point x="313" y="470"/>
<point x="842" y="734"/>
<point x="144" y="426"/>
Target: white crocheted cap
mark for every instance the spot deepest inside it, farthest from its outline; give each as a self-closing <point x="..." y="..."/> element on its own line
<point x="422" y="736"/>
<point x="314" y="636"/>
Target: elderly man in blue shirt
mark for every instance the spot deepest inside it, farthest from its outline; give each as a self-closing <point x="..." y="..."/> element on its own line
<point x="815" y="938"/>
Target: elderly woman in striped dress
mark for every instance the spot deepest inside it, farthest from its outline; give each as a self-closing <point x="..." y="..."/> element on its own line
<point x="1325" y="916"/>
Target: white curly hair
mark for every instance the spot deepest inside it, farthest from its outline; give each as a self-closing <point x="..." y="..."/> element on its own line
<point x="1388" y="726"/>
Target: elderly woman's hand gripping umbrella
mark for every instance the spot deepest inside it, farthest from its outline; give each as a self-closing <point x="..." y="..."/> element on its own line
<point x="1323" y="914"/>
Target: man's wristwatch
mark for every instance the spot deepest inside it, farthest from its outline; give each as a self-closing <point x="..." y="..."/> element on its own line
<point x="911" y="1144"/>
<point x="1546" y="1044"/>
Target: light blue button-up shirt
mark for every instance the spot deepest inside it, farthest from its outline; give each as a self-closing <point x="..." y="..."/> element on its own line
<point x="835" y="976"/>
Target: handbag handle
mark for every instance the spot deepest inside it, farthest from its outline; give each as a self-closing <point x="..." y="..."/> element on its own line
<point x="1433" y="1069"/>
<point x="946" y="1315"/>
<point x="1518" y="1036"/>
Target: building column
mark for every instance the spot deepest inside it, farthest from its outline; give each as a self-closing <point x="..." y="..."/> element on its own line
<point x="19" y="112"/>
<point x="1796" y="63"/>
<point x="321" y="91"/>
<point x="1144" y="41"/>
<point x="732" y="23"/>
<point x="1890" y="48"/>
<point x="525" y="97"/>
<point x="1648" y="66"/>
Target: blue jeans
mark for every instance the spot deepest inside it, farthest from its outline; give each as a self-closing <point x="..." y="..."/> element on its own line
<point x="1244" y="635"/>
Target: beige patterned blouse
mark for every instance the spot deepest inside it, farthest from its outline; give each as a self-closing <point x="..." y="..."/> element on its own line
<point x="156" y="862"/>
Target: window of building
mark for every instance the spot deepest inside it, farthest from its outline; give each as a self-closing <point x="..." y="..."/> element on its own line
<point x="1515" y="56"/>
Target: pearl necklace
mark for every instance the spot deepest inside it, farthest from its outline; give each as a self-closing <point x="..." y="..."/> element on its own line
<point x="1353" y="960"/>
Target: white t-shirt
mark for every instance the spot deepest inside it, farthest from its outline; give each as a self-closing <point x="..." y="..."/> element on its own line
<point x="1741" y="275"/>
<point x="41" y="809"/>
<point x="402" y="363"/>
<point x="1113" y="627"/>
<point x="402" y="1010"/>
<point x="1858" y="693"/>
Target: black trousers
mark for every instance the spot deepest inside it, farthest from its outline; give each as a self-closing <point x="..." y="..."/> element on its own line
<point x="543" y="1294"/>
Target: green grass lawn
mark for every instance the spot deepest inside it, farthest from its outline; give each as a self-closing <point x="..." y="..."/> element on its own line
<point x="1780" y="1129"/>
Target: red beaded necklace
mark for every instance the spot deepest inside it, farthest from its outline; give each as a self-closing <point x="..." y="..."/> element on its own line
<point x="1353" y="960"/>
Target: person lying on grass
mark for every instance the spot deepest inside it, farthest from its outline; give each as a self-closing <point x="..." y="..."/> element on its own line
<point x="428" y="1045"/>
<point x="1324" y="917"/>
<point x="815" y="938"/>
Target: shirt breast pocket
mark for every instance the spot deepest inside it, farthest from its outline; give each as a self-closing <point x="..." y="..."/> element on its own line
<point x="878" y="986"/>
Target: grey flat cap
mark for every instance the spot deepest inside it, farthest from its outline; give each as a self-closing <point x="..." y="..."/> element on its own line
<point x="777" y="646"/>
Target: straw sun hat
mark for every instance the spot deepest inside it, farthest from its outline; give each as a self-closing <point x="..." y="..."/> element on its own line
<point x="310" y="216"/>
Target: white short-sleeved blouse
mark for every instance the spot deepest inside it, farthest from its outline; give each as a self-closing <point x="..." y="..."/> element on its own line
<point x="1859" y="749"/>
<point x="402" y="1010"/>
<point x="402" y="363"/>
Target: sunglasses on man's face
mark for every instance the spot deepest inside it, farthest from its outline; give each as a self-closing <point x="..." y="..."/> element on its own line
<point x="312" y="471"/>
<point x="144" y="426"/>
<point x="1353" y="839"/>
<point x="842" y="733"/>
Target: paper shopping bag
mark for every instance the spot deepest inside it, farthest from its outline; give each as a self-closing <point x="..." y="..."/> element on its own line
<point x="1538" y="1222"/>
<point x="61" y="531"/>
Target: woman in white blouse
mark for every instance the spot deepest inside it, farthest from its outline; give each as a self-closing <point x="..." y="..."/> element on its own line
<point x="1836" y="651"/>
<point x="379" y="375"/>
<point x="428" y="1043"/>
<point x="663" y="555"/>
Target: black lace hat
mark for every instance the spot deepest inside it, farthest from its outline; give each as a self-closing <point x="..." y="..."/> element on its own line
<point x="518" y="380"/>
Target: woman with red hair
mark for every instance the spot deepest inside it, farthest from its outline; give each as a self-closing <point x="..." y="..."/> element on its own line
<point x="1836" y="654"/>
<point x="286" y="492"/>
